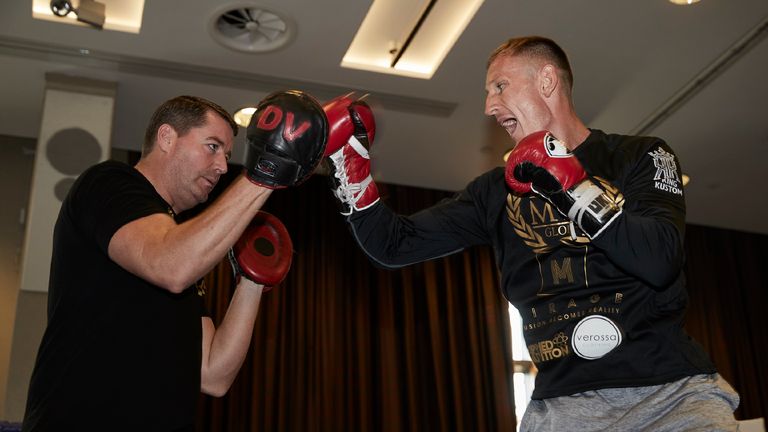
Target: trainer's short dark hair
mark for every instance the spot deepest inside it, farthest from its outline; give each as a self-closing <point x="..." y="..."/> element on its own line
<point x="536" y="47"/>
<point x="183" y="113"/>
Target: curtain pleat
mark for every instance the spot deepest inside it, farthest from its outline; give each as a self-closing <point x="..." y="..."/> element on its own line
<point x="728" y="288"/>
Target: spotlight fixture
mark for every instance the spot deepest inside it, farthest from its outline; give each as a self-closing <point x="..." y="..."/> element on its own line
<point x="684" y="2"/>
<point x="61" y="7"/>
<point x="88" y="11"/>
<point x="124" y="15"/>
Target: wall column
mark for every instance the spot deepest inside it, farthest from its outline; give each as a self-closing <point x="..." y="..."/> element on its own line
<point x="75" y="133"/>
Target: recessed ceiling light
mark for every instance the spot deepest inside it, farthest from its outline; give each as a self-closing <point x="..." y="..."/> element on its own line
<point x="408" y="37"/>
<point x="684" y="2"/>
<point x="119" y="15"/>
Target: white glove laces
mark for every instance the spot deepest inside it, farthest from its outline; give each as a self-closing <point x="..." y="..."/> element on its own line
<point x="349" y="193"/>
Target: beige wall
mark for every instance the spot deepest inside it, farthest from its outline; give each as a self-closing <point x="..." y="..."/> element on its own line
<point x="34" y="189"/>
<point x="22" y="313"/>
<point x="27" y="332"/>
<point x="16" y="158"/>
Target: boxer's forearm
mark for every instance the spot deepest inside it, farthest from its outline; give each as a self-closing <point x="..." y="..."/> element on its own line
<point x="393" y="241"/>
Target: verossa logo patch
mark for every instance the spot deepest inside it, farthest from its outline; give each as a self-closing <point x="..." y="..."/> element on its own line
<point x="595" y="336"/>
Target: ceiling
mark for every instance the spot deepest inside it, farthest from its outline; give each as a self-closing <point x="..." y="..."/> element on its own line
<point x="696" y="76"/>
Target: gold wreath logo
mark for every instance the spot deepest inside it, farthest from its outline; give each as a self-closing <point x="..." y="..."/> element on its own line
<point x="611" y="191"/>
<point x="522" y="229"/>
<point x="532" y="238"/>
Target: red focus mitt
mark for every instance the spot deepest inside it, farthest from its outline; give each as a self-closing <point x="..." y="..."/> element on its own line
<point x="264" y="251"/>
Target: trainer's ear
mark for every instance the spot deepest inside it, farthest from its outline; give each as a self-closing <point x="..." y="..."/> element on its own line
<point x="166" y="136"/>
<point x="548" y="80"/>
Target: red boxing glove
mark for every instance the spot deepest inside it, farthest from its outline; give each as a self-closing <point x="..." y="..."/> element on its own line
<point x="542" y="164"/>
<point x="340" y="127"/>
<point x="544" y="150"/>
<point x="264" y="251"/>
<point x="351" y="129"/>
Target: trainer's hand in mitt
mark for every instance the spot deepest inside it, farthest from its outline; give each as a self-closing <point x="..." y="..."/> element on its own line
<point x="263" y="253"/>
<point x="286" y="139"/>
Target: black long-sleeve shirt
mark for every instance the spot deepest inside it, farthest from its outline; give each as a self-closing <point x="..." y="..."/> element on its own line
<point x="596" y="314"/>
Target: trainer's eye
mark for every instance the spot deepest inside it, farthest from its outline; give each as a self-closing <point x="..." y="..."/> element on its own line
<point x="500" y="86"/>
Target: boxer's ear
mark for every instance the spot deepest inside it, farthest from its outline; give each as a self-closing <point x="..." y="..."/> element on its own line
<point x="548" y="80"/>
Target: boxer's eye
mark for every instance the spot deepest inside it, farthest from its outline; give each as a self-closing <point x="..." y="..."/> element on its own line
<point x="500" y="86"/>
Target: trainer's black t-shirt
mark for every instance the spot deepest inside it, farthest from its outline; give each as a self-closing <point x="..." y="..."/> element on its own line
<point x="596" y="314"/>
<point x="118" y="353"/>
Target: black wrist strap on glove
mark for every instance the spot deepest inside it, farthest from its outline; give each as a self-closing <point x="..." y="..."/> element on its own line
<point x="271" y="170"/>
<point x="237" y="272"/>
<point x="585" y="204"/>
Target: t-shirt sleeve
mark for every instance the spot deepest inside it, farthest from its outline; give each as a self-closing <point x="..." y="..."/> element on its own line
<point x="108" y="196"/>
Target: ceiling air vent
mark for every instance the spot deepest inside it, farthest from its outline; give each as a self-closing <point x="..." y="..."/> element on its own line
<point x="250" y="28"/>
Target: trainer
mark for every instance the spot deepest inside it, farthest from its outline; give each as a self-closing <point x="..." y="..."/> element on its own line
<point x="128" y="345"/>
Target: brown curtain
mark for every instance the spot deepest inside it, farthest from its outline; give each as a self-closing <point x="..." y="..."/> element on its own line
<point x="344" y="346"/>
<point x="728" y="289"/>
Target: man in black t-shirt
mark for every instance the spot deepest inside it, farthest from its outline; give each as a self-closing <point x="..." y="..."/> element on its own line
<point x="587" y="230"/>
<point x="127" y="345"/>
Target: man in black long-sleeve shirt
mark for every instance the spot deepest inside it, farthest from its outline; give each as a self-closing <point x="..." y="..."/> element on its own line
<point x="602" y="300"/>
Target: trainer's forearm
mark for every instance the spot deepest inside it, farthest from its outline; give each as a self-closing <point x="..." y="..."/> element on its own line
<point x="191" y="249"/>
<point x="225" y="348"/>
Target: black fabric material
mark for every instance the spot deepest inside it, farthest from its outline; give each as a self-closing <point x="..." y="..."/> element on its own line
<point x="631" y="274"/>
<point x="118" y="353"/>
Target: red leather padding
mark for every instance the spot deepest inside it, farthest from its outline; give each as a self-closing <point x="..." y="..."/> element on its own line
<point x="533" y="148"/>
<point x="264" y="251"/>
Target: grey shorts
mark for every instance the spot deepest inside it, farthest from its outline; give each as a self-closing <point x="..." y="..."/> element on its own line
<point x="697" y="403"/>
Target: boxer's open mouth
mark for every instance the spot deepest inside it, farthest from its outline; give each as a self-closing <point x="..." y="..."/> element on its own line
<point x="509" y="124"/>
